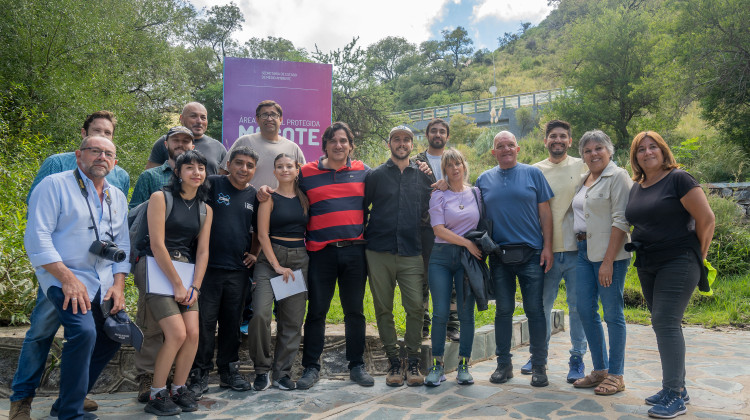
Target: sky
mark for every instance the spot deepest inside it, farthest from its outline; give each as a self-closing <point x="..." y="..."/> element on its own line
<point x="331" y="24"/>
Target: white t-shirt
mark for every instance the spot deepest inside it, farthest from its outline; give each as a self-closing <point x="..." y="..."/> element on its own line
<point x="267" y="152"/>
<point x="435" y="164"/>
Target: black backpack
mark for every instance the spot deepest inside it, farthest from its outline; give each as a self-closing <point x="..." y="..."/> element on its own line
<point x="138" y="226"/>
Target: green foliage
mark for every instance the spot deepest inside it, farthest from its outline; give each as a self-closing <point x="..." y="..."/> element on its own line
<point x="612" y="64"/>
<point x="20" y="150"/>
<point x="463" y="129"/>
<point x="713" y="48"/>
<point x="730" y="249"/>
<point x="527" y="119"/>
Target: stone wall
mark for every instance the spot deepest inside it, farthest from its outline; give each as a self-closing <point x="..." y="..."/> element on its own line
<point x="739" y="191"/>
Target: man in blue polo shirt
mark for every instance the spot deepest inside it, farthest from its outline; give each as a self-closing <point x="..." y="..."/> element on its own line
<point x="517" y="197"/>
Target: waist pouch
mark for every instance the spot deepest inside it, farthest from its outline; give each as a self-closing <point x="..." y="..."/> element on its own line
<point x="515" y="254"/>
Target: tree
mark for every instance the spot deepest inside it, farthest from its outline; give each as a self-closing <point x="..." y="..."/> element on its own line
<point x="457" y="44"/>
<point x="357" y="99"/>
<point x="216" y="29"/>
<point x="713" y="46"/>
<point x="273" y="48"/>
<point x="390" y="57"/>
<point x="463" y="129"/>
<point x="612" y="67"/>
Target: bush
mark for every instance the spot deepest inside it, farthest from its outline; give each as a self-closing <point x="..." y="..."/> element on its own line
<point x="730" y="249"/>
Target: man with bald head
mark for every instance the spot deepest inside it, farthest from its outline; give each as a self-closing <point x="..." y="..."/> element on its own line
<point x="71" y="215"/>
<point x="195" y="117"/>
<point x="517" y="197"/>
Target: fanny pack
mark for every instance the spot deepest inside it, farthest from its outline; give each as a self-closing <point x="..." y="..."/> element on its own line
<point x="515" y="254"/>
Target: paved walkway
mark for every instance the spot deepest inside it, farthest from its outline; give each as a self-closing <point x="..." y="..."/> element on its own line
<point x="718" y="382"/>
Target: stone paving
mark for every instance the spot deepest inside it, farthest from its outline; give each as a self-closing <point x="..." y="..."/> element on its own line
<point x="718" y="383"/>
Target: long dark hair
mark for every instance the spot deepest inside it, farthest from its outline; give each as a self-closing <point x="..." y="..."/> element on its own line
<point x="175" y="183"/>
<point x="297" y="190"/>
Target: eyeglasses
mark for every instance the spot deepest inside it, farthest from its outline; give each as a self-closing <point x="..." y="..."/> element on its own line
<point x="272" y="115"/>
<point x="98" y="152"/>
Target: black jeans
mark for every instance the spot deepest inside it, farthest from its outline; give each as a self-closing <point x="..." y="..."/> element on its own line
<point x="349" y="266"/>
<point x="222" y="300"/>
<point x="667" y="288"/>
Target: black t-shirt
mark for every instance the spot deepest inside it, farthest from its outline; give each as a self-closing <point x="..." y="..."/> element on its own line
<point x="656" y="213"/>
<point x="232" y="227"/>
<point x="287" y="218"/>
<point x="212" y="149"/>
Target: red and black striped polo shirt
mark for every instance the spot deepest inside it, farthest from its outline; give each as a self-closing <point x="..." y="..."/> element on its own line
<point x="337" y="200"/>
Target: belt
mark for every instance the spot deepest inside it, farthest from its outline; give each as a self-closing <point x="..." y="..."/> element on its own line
<point x="581" y="236"/>
<point x="344" y="244"/>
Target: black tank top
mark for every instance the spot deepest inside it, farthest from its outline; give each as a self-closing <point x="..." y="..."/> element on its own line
<point x="287" y="218"/>
<point x="181" y="227"/>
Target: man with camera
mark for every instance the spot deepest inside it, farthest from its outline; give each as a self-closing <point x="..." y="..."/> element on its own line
<point x="77" y="240"/>
<point x="39" y="336"/>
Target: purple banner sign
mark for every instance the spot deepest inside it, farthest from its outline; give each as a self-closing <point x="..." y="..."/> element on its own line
<point x="302" y="89"/>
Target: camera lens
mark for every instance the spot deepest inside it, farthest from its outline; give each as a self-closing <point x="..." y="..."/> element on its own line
<point x="114" y="254"/>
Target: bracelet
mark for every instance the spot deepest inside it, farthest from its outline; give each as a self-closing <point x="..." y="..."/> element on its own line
<point x="196" y="289"/>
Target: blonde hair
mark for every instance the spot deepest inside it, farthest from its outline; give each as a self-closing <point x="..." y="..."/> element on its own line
<point x="669" y="160"/>
<point x="452" y="154"/>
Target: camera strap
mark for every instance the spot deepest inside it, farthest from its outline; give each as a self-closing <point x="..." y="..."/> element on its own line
<point x="85" y="195"/>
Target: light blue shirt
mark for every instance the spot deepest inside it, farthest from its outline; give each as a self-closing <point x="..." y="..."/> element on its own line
<point x="118" y="177"/>
<point x="512" y="197"/>
<point x="58" y="229"/>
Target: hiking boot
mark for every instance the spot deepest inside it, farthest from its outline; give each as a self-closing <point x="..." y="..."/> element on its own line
<point x="162" y="405"/>
<point x="413" y="376"/>
<point x="539" y="376"/>
<point x="395" y="376"/>
<point x="90" y="405"/>
<point x="425" y="332"/>
<point x="453" y="335"/>
<point x="262" y="381"/>
<point x="243" y="327"/>
<point x="656" y="398"/>
<point x="526" y="369"/>
<point x="577" y="369"/>
<point x="309" y="376"/>
<point x="233" y="379"/>
<point x="462" y="372"/>
<point x="436" y="374"/>
<point x="197" y="383"/>
<point x="145" y="381"/>
<point x="503" y="372"/>
<point x="670" y="406"/>
<point x="184" y="399"/>
<point x="359" y="375"/>
<point x="54" y="411"/>
<point x="21" y="409"/>
<point x="285" y="383"/>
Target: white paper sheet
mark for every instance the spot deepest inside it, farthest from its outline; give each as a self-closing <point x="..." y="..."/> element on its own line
<point x="159" y="284"/>
<point x="283" y="289"/>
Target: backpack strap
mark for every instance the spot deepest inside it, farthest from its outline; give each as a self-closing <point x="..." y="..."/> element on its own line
<point x="169" y="202"/>
<point x="202" y="212"/>
<point x="480" y="205"/>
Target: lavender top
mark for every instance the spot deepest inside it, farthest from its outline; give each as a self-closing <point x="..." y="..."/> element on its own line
<point x="446" y="209"/>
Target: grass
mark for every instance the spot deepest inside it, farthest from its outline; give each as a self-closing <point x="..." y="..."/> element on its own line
<point x="729" y="306"/>
<point x="336" y="314"/>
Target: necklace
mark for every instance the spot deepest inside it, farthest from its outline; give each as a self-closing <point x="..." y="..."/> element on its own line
<point x="460" y="199"/>
<point x="189" y="206"/>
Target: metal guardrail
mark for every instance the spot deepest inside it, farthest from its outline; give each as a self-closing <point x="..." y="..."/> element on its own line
<point x="486" y="105"/>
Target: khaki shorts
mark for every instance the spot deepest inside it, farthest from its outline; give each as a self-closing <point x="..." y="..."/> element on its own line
<point x="165" y="306"/>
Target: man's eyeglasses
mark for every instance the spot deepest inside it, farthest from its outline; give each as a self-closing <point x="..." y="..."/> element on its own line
<point x="98" y="152"/>
<point x="267" y="115"/>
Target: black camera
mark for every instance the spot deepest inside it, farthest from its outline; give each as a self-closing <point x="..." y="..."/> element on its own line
<point x="107" y="250"/>
<point x="633" y="246"/>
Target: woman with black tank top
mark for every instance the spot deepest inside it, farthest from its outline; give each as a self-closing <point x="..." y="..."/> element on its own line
<point x="282" y="222"/>
<point x="672" y="229"/>
<point x="177" y="237"/>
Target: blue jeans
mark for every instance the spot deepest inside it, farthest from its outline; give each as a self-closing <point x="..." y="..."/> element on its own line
<point x="36" y="345"/>
<point x="589" y="291"/>
<point x="531" y="279"/>
<point x="86" y="352"/>
<point x="445" y="270"/>
<point x="564" y="267"/>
